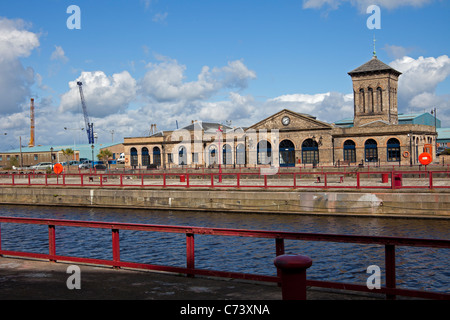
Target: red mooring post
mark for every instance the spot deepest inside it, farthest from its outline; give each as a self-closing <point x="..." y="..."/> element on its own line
<point x="293" y="275"/>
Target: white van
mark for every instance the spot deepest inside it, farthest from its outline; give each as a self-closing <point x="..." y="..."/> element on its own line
<point x="121" y="159"/>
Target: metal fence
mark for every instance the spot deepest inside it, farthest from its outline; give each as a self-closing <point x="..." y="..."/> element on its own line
<point x="390" y="243"/>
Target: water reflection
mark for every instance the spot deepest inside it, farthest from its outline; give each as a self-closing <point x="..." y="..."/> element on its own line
<point x="418" y="268"/>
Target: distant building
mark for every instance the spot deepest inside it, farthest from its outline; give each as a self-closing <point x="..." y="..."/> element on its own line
<point x="28" y="156"/>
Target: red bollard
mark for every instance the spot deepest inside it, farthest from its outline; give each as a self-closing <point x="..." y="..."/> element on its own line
<point x="293" y="275"/>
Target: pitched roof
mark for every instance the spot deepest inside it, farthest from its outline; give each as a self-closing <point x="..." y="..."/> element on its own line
<point x="374" y="65"/>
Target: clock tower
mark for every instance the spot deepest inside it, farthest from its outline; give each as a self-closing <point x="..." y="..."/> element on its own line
<point x="375" y="93"/>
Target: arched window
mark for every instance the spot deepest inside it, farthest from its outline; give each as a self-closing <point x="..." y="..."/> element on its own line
<point x="310" y="151"/>
<point x="393" y="150"/>
<point x="227" y="157"/>
<point x="240" y="154"/>
<point x="287" y="153"/>
<point x="134" y="157"/>
<point x="349" y="151"/>
<point x="380" y="98"/>
<point x="145" y="157"/>
<point x="370" y="106"/>
<point x="156" y="156"/>
<point x="264" y="151"/>
<point x="182" y="156"/>
<point x="362" y="100"/>
<point x="371" y="151"/>
<point x="212" y="155"/>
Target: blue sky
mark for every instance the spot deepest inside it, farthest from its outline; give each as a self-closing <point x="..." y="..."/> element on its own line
<point x="158" y="61"/>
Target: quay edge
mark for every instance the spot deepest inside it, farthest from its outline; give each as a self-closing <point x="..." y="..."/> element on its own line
<point x="385" y="203"/>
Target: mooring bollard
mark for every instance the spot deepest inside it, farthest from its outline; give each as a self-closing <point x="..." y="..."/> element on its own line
<point x="293" y="275"/>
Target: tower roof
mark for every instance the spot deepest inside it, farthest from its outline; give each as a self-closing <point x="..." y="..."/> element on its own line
<point x="374" y="65"/>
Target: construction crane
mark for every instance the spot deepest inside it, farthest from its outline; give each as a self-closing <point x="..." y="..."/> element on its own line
<point x="89" y="126"/>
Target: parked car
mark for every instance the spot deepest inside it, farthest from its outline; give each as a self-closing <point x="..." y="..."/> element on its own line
<point x="86" y="164"/>
<point x="99" y="167"/>
<point x="440" y="150"/>
<point x="74" y="163"/>
<point x="42" y="166"/>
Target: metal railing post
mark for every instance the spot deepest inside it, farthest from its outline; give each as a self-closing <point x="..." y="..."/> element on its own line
<point x="190" y="252"/>
<point x="116" y="246"/>
<point x="51" y="242"/>
<point x="390" y="269"/>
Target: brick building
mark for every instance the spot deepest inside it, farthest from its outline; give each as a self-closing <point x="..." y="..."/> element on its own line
<point x="374" y="135"/>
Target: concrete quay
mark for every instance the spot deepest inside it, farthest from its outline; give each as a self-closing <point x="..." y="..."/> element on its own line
<point x="24" y="279"/>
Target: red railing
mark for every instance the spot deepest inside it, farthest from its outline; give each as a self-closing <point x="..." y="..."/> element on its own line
<point x="293" y="180"/>
<point x="390" y="244"/>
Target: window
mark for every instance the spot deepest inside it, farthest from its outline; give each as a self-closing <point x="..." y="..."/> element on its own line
<point x="156" y="156"/>
<point x="371" y="106"/>
<point x="36" y="157"/>
<point x="349" y="151"/>
<point x="182" y="156"/>
<point x="227" y="157"/>
<point x="287" y="153"/>
<point x="371" y="151"/>
<point x="134" y="157"/>
<point x="393" y="150"/>
<point x="362" y="100"/>
<point x="380" y="98"/>
<point x="264" y="150"/>
<point x="195" y="157"/>
<point x="240" y="154"/>
<point x="310" y="151"/>
<point x="145" y="157"/>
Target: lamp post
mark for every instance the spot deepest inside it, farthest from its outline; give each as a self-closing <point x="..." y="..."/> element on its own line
<point x="51" y="155"/>
<point x="435" y="129"/>
<point x="220" y="160"/>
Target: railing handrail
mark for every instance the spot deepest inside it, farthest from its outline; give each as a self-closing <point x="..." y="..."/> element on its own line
<point x="389" y="242"/>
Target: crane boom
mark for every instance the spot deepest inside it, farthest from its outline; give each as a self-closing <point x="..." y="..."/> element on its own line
<point x="89" y="126"/>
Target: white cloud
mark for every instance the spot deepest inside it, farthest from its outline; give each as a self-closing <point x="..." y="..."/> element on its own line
<point x="418" y="83"/>
<point x="165" y="81"/>
<point x="329" y="107"/>
<point x="15" y="80"/>
<point x="363" y="4"/>
<point x="104" y="95"/>
<point x="59" y="54"/>
<point x="160" y="17"/>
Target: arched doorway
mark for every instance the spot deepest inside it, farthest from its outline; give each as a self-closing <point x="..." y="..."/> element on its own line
<point x="264" y="152"/>
<point x="227" y="157"/>
<point x="182" y="156"/>
<point x="145" y="157"/>
<point x="371" y="150"/>
<point x="212" y="155"/>
<point x="157" y="156"/>
<point x="393" y="150"/>
<point x="310" y="151"/>
<point x="349" y="151"/>
<point x="134" y="157"/>
<point x="240" y="154"/>
<point x="287" y="153"/>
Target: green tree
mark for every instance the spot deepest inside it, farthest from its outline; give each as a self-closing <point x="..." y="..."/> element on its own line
<point x="104" y="155"/>
<point x="68" y="155"/>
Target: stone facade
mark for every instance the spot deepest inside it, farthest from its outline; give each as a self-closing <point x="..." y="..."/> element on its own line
<point x="289" y="138"/>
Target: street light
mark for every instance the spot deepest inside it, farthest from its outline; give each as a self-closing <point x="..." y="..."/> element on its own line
<point x="410" y="149"/>
<point x="51" y="155"/>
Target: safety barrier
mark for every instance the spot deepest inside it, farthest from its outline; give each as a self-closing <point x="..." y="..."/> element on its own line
<point x="389" y="243"/>
<point x="264" y="179"/>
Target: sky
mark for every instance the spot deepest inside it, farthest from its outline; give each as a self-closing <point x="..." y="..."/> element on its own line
<point x="168" y="62"/>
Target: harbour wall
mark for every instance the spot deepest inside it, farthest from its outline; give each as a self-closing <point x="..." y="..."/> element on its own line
<point x="389" y="203"/>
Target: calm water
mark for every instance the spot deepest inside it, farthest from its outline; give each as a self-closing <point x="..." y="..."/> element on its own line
<point x="417" y="268"/>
